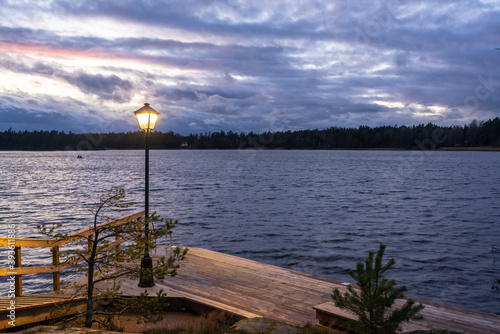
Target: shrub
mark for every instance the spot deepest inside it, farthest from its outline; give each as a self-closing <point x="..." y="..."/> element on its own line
<point x="376" y="294"/>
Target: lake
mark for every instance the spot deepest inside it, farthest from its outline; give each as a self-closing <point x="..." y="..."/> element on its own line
<point x="318" y="212"/>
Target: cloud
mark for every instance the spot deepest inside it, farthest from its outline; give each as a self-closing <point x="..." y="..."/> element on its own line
<point x="35" y="119"/>
<point x="252" y="66"/>
<point x="106" y="87"/>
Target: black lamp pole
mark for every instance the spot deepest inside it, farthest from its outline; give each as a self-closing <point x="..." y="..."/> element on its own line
<point x="146" y="118"/>
<point x="146" y="279"/>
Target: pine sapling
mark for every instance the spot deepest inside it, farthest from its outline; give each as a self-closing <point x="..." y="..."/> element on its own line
<point x="376" y="295"/>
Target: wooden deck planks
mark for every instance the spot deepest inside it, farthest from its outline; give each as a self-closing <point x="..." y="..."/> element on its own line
<point x="247" y="285"/>
<point x="288" y="295"/>
<point x="263" y="285"/>
<point x="249" y="289"/>
<point x="34" y="308"/>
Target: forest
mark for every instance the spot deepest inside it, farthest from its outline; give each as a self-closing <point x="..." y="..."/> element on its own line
<point x="417" y="137"/>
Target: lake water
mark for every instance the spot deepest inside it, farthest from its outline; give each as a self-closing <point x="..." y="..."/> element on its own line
<point x="318" y="212"/>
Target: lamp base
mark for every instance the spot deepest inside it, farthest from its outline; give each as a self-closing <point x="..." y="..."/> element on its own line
<point x="146" y="279"/>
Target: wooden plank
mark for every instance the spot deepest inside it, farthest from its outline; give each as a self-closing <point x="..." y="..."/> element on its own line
<point x="260" y="279"/>
<point x="445" y="318"/>
<point x="89" y="231"/>
<point x="52" y="269"/>
<point x="222" y="286"/>
<point x="18" y="271"/>
<point x="271" y="272"/>
<point x="129" y="286"/>
<point x="18" y="283"/>
<point x="33" y="301"/>
<point x="223" y="279"/>
<point x="31" y="270"/>
<point x="56" y="275"/>
<point x="55" y="269"/>
<point x="27" y="313"/>
<point x="29" y="242"/>
<point x="330" y="308"/>
<point x="234" y="299"/>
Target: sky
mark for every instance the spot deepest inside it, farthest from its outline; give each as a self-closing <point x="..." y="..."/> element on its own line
<point x="206" y="66"/>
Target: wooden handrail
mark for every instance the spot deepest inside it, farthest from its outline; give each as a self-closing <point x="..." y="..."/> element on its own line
<point x="29" y="242"/>
<point x="56" y="267"/>
<point x="54" y="244"/>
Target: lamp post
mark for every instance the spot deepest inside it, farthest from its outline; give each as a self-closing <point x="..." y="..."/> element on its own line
<point x="146" y="117"/>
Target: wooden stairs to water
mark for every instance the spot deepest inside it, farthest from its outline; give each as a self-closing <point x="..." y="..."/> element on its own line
<point x="37" y="308"/>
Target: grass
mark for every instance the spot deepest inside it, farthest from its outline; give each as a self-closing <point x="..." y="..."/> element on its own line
<point x="432" y="331"/>
<point x="311" y="328"/>
<point x="213" y="323"/>
<point x="218" y="324"/>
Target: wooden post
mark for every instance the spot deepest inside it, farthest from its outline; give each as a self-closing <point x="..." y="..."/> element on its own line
<point x="117" y="237"/>
<point x="56" y="275"/>
<point x="139" y="226"/>
<point x="19" y="278"/>
<point x="166" y="242"/>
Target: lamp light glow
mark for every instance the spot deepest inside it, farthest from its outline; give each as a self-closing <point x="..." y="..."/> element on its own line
<point x="146" y="117"/>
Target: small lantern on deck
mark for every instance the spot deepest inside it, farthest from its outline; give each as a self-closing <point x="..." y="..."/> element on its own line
<point x="146" y="117"/>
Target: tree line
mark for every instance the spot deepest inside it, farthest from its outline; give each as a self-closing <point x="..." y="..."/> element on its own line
<point x="422" y="136"/>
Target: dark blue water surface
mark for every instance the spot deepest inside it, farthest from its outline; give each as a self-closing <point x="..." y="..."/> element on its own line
<point x="318" y="212"/>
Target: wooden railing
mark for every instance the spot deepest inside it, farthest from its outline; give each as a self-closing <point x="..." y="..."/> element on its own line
<point x="18" y="271"/>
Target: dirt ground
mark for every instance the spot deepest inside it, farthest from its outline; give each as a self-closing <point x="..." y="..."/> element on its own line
<point x="128" y="323"/>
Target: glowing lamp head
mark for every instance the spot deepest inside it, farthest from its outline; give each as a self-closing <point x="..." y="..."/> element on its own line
<point x="146" y="117"/>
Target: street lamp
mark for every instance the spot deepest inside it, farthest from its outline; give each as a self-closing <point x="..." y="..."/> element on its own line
<point x="146" y="117"/>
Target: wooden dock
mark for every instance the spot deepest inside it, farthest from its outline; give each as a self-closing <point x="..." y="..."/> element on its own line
<point x="254" y="289"/>
<point x="211" y="280"/>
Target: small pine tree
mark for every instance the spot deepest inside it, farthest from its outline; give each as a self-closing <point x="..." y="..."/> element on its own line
<point x="371" y="303"/>
<point x="93" y="255"/>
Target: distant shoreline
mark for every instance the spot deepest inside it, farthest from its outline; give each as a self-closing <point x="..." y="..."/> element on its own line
<point x="469" y="149"/>
<point x="456" y="149"/>
<point x="481" y="148"/>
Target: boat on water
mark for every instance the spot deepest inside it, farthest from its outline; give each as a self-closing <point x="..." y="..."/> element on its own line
<point x="79" y="157"/>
